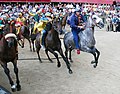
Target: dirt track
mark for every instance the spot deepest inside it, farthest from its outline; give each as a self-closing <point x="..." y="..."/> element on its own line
<point x="46" y="78"/>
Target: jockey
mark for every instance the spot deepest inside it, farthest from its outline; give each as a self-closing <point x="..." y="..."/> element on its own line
<point x="47" y="28"/>
<point x="76" y="28"/>
<point x="20" y="19"/>
<point x="19" y="22"/>
<point x="37" y="16"/>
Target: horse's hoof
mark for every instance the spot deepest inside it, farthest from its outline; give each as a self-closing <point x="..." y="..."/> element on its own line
<point x="18" y="88"/>
<point x="50" y="60"/>
<point x="13" y="89"/>
<point x="71" y="61"/>
<point x="94" y="66"/>
<point x="70" y="72"/>
<point x="59" y="65"/>
<point x="92" y="62"/>
<point x="40" y="61"/>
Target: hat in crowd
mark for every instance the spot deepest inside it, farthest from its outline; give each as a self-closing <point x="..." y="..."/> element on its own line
<point x="47" y="14"/>
<point x="77" y="10"/>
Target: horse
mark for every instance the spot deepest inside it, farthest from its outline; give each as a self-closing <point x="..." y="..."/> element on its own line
<point x="8" y="53"/>
<point x="52" y="44"/>
<point x="33" y="36"/>
<point x="59" y="23"/>
<point x="11" y="28"/>
<point x="86" y="39"/>
<point x="24" y="33"/>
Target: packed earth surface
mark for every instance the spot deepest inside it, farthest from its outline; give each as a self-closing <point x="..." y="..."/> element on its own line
<point x="47" y="78"/>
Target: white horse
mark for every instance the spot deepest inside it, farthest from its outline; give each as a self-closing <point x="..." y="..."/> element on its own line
<point x="86" y="39"/>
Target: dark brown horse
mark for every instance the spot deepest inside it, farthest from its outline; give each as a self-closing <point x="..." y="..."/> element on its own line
<point x="8" y="53"/>
<point x="52" y="44"/>
<point x="25" y="33"/>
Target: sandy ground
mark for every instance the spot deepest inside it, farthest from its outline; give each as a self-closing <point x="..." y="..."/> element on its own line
<point x="46" y="78"/>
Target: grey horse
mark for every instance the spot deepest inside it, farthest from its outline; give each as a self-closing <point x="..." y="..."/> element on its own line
<point x="86" y="39"/>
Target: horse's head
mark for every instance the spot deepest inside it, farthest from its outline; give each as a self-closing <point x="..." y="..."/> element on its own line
<point x="57" y="25"/>
<point x="10" y="39"/>
<point x="97" y="21"/>
<point x="9" y="26"/>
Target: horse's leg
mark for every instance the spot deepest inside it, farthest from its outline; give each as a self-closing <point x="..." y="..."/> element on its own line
<point x="29" y="43"/>
<point x="7" y="72"/>
<point x="33" y="45"/>
<point x="96" y="55"/>
<point x="33" y="37"/>
<point x="70" y="50"/>
<point x="46" y="51"/>
<point x="23" y="42"/>
<point x="66" y="53"/>
<point x="16" y="72"/>
<point x="38" y="49"/>
<point x="56" y="55"/>
<point x="66" y="60"/>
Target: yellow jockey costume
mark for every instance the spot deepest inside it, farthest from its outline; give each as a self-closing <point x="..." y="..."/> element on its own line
<point x="39" y="25"/>
<point x="19" y="22"/>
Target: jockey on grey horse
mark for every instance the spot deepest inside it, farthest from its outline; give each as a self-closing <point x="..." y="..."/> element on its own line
<point x="76" y="27"/>
<point x="86" y="38"/>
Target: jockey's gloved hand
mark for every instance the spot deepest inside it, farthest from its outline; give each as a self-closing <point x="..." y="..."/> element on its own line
<point x="81" y="27"/>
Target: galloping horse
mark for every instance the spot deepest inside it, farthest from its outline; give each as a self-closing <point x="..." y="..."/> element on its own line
<point x="8" y="45"/>
<point x="11" y="28"/>
<point x="25" y="33"/>
<point x="86" y="39"/>
<point x="52" y="44"/>
<point x="33" y="36"/>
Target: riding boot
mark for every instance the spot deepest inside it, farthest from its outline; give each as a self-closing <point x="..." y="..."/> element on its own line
<point x="43" y="37"/>
<point x="78" y="51"/>
<point x="43" y="41"/>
